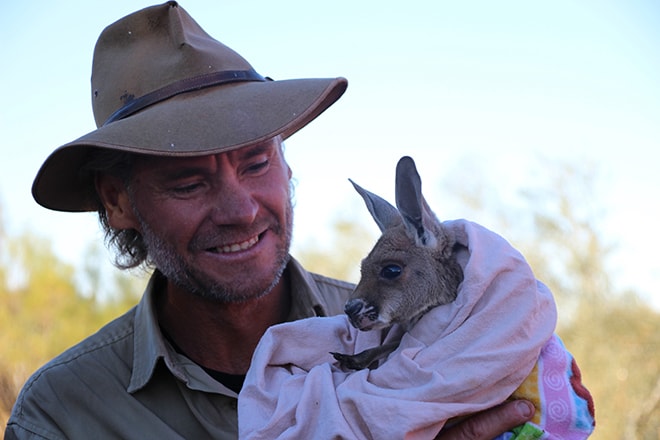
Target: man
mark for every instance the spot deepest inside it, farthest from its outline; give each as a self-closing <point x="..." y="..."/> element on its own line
<point x="188" y="175"/>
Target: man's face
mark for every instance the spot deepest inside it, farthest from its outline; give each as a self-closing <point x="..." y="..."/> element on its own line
<point x="218" y="226"/>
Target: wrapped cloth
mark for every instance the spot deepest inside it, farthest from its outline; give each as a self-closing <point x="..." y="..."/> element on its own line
<point x="460" y="358"/>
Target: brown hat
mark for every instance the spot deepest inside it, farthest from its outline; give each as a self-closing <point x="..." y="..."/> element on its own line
<point x="162" y="86"/>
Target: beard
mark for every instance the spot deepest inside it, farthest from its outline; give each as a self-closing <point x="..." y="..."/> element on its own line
<point x="163" y="255"/>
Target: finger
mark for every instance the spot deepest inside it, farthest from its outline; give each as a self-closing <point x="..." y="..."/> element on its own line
<point x="489" y="424"/>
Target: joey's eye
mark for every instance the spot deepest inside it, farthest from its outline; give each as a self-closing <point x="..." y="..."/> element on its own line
<point x="391" y="271"/>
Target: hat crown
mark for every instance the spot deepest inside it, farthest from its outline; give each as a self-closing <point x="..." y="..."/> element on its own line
<point x="151" y="49"/>
<point x="160" y="86"/>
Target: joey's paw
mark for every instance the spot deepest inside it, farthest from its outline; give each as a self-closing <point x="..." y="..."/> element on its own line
<point x="349" y="362"/>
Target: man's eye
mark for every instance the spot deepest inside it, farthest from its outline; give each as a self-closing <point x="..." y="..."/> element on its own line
<point x="186" y="189"/>
<point x="259" y="166"/>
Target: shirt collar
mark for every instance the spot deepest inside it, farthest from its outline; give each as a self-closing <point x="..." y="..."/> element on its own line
<point x="150" y="345"/>
<point x="148" y="342"/>
<point x="306" y="299"/>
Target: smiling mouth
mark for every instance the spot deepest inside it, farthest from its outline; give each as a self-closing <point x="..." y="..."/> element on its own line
<point x="236" y="247"/>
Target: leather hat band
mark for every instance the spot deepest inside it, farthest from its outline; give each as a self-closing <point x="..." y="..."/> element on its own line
<point x="182" y="86"/>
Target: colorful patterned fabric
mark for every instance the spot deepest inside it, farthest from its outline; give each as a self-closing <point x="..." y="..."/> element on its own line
<point x="564" y="407"/>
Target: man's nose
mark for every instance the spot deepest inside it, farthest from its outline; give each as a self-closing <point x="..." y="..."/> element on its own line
<point x="234" y="204"/>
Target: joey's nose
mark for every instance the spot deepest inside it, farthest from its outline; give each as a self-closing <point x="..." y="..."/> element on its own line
<point x="353" y="307"/>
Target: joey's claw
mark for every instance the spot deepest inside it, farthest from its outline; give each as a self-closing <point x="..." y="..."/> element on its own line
<point x="351" y="362"/>
<point x="366" y="358"/>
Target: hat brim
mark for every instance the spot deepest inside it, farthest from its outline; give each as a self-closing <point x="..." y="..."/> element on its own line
<point x="208" y="121"/>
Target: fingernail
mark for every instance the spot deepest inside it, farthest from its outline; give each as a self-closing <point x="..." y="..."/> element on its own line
<point x="526" y="409"/>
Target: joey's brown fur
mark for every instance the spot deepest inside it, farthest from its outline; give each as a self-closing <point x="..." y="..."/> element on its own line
<point x="411" y="269"/>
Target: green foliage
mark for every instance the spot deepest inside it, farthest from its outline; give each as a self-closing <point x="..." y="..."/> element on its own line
<point x="349" y="244"/>
<point x="43" y="311"/>
<point x="616" y="343"/>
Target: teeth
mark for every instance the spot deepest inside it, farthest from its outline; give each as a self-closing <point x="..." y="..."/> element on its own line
<point x="236" y="247"/>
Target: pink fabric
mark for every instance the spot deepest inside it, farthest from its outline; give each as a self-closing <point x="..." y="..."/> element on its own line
<point x="459" y="358"/>
<point x="566" y="412"/>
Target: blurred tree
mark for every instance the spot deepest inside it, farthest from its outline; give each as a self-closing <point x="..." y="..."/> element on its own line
<point x="349" y="244"/>
<point x="644" y="421"/>
<point x="617" y="345"/>
<point x="43" y="311"/>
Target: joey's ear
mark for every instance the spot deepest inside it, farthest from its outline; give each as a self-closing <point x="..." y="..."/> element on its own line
<point x="383" y="213"/>
<point x="114" y="196"/>
<point x="417" y="216"/>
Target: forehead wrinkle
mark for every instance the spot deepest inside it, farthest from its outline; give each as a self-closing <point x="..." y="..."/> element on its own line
<point x="172" y="168"/>
<point x="183" y="172"/>
<point x="250" y="152"/>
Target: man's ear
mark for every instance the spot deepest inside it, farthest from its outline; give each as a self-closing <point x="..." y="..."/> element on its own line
<point x="114" y="196"/>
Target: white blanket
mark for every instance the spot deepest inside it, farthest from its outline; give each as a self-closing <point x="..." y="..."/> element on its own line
<point x="458" y="359"/>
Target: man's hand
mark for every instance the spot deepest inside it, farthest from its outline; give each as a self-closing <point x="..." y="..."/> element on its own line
<point x="488" y="424"/>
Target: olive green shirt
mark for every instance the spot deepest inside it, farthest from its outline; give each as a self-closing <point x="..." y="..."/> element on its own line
<point x="127" y="381"/>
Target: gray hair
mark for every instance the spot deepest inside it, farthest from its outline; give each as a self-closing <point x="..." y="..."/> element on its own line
<point x="128" y="245"/>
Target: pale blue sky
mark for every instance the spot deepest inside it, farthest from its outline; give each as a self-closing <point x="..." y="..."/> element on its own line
<point x="494" y="83"/>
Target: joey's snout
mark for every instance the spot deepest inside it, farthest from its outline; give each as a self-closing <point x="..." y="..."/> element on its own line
<point x="362" y="315"/>
<point x="353" y="307"/>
